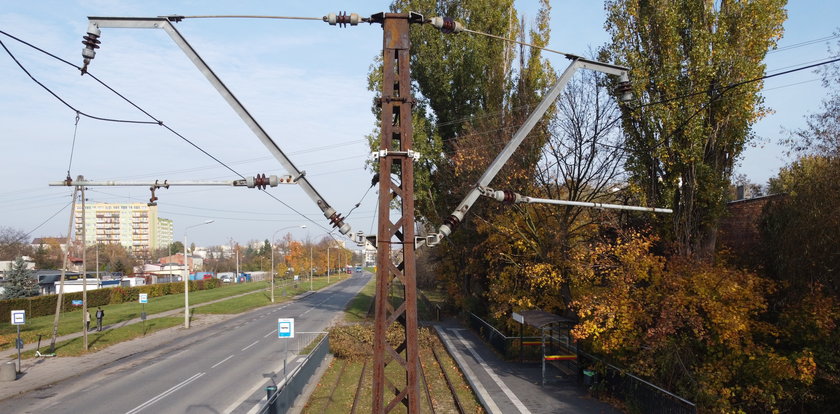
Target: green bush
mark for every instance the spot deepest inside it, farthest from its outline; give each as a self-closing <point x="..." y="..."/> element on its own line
<point x="45" y="305"/>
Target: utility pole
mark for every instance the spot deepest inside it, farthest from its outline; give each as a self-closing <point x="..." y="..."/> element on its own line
<point x="84" y="269"/>
<point x="396" y="185"/>
<point x="63" y="271"/>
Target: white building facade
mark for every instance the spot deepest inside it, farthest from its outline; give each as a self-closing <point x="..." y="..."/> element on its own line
<point x="136" y="226"/>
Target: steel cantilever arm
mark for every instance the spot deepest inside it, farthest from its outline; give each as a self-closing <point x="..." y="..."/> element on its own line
<point x="577" y="63"/>
<point x="165" y="24"/>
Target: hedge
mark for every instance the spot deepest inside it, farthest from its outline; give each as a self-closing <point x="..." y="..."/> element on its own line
<point x="45" y="305"/>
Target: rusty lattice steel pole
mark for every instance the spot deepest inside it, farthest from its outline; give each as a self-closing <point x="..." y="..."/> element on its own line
<point x="396" y="187"/>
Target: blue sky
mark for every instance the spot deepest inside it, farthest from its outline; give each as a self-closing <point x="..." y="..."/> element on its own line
<point x="304" y="81"/>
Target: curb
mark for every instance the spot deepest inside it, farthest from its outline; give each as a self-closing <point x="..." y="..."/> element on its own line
<point x="470" y="379"/>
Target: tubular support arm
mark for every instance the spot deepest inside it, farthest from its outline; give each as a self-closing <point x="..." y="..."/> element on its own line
<point x="250" y="182"/>
<point x="256" y="128"/>
<point x="516" y="198"/>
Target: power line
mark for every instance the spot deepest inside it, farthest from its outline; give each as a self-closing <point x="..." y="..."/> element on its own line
<point x="723" y="89"/>
<point x="805" y="43"/>
<point x="157" y="121"/>
<point x="77" y="111"/>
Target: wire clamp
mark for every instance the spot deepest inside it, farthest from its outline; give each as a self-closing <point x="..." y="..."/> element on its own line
<point x="385" y="153"/>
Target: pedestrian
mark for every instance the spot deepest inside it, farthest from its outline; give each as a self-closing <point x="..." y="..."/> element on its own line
<point x="99" y="315"/>
<point x="87" y="320"/>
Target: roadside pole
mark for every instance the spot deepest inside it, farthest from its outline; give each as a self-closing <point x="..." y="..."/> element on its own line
<point x="144" y="297"/>
<point x="18" y="319"/>
<point x="285" y="331"/>
<point x="84" y="268"/>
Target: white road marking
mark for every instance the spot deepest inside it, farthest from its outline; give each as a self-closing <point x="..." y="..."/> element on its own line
<point x="270" y="333"/>
<point x="220" y="362"/>
<point x="165" y="393"/>
<point x="492" y="374"/>
<point x="255" y="342"/>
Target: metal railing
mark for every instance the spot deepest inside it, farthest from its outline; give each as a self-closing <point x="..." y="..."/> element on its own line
<point x="508" y="346"/>
<point x="640" y="396"/>
<point x="281" y="399"/>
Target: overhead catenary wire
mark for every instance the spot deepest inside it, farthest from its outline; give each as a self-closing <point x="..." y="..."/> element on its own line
<point x="566" y="54"/>
<point x="60" y="99"/>
<point x="130" y="102"/>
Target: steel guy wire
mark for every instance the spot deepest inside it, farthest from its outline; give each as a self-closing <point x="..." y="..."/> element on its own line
<point x="50" y="218"/>
<point x="73" y="146"/>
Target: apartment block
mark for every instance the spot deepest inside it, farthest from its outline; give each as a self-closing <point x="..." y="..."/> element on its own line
<point x="133" y="225"/>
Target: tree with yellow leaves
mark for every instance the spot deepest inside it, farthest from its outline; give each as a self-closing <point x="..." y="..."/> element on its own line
<point x="690" y="120"/>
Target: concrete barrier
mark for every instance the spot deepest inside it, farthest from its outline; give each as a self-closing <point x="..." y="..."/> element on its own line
<point x="8" y="371"/>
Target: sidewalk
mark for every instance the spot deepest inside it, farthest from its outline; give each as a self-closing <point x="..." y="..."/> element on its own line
<point x="39" y="373"/>
<point x="511" y="387"/>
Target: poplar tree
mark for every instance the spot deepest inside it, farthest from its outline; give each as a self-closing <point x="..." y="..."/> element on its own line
<point x="689" y="123"/>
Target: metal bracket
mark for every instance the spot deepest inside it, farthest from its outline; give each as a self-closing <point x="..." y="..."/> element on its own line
<point x="386" y="153"/>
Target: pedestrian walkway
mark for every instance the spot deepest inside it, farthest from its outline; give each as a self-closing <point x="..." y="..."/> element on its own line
<point x="513" y="387"/>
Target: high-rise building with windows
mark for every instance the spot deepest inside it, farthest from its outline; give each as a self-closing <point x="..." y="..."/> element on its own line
<point x="165" y="232"/>
<point x="133" y="225"/>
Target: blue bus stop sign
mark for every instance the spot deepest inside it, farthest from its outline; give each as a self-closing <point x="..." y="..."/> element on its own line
<point x="286" y="328"/>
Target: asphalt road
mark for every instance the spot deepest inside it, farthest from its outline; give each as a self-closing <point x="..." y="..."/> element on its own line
<point x="221" y="369"/>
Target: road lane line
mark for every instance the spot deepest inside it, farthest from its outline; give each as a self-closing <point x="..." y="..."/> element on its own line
<point x="220" y="362"/>
<point x="270" y="333"/>
<point x="491" y="373"/>
<point x="165" y="393"/>
<point x="255" y="342"/>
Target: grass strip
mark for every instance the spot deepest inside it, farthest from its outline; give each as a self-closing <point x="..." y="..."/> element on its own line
<point x="71" y="321"/>
<point x="356" y="310"/>
<point x="100" y="340"/>
<point x="263" y="297"/>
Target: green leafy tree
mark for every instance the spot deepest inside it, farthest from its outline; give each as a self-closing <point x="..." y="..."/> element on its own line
<point x="470" y="98"/>
<point x="20" y="281"/>
<point x="687" y="125"/>
<point x="176" y="247"/>
<point x="48" y="256"/>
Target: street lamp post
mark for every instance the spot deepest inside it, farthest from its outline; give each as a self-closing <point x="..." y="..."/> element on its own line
<point x="187" y="277"/>
<point x="310" y="265"/>
<point x="303" y="226"/>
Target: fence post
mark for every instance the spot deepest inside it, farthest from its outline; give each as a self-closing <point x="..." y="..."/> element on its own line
<point x="270" y="391"/>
